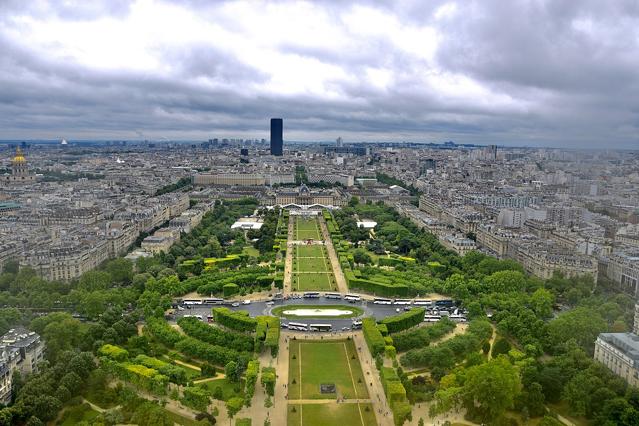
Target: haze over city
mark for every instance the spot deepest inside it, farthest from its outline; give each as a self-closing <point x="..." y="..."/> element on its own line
<point x="537" y="73"/>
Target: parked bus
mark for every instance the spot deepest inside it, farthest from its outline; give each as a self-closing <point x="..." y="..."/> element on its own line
<point x="332" y="295"/>
<point x="352" y="298"/>
<point x="356" y="325"/>
<point x="457" y="318"/>
<point x="194" y="316"/>
<point x="192" y="302"/>
<point x="432" y="318"/>
<point x="445" y="303"/>
<point x="213" y="301"/>
<point x="382" y="301"/>
<point x="297" y="326"/>
<point x="422" y="302"/>
<point x="311" y="295"/>
<point x="402" y="302"/>
<point x="320" y="327"/>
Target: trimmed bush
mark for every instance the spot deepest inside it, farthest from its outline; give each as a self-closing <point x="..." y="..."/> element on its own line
<point x="230" y="289"/>
<point x="405" y="320"/>
<point x="235" y="320"/>
<point x="268" y="380"/>
<point x="113" y="352"/>
<point x="215" y="335"/>
<point x="196" y="398"/>
<point x="373" y="337"/>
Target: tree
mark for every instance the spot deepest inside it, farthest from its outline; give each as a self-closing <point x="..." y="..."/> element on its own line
<point x="234" y="405"/>
<point x="541" y="301"/>
<point x="490" y="389"/>
<point x="360" y="256"/>
<point x="232" y="372"/>
<point x="581" y="324"/>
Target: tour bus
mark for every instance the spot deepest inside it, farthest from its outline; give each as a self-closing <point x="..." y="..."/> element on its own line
<point x="194" y="316"/>
<point x="213" y="301"/>
<point x="382" y="301"/>
<point x="319" y="327"/>
<point x="352" y="298"/>
<point x="432" y="318"/>
<point x="457" y="318"/>
<point x="192" y="301"/>
<point x="422" y="302"/>
<point x="297" y="326"/>
<point x="357" y="324"/>
<point x="445" y="303"/>
<point x="401" y="302"/>
<point x="332" y="295"/>
<point x="311" y="295"/>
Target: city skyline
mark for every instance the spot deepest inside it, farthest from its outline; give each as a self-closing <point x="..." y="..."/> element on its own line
<point x="555" y="74"/>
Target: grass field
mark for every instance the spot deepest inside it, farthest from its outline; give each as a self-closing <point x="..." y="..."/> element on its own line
<point x="331" y="414"/>
<point x="307" y="229"/>
<point x="312" y="269"/>
<point x="228" y="388"/>
<point x="324" y="362"/>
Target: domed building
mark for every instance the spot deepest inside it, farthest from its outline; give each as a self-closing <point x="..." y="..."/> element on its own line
<point x="19" y="170"/>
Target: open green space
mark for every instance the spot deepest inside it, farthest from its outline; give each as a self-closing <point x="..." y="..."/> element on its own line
<point x="325" y="362"/>
<point x="352" y="311"/>
<point x="330" y="414"/>
<point x="76" y="414"/>
<point x="313" y="281"/>
<point x="184" y="421"/>
<point x="229" y="389"/>
<point x="307" y="229"/>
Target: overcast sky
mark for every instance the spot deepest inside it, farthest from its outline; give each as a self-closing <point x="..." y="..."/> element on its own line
<point x="553" y="73"/>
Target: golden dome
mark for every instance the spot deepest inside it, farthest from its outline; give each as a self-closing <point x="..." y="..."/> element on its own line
<point x="19" y="158"/>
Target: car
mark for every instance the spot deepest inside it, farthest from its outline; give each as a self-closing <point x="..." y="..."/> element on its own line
<point x="270" y="303"/>
<point x="235" y="304"/>
<point x="407" y="308"/>
<point x="345" y="328"/>
<point x="180" y="308"/>
<point x="398" y="310"/>
<point x="246" y="302"/>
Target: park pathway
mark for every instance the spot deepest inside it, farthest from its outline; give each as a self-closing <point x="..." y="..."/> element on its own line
<point x="332" y="255"/>
<point x="288" y="260"/>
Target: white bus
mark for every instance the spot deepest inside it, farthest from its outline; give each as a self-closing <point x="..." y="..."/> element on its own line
<point x="320" y="327"/>
<point x="457" y="318"/>
<point x="192" y="301"/>
<point x="382" y="301"/>
<point x="401" y="302"/>
<point x="311" y="295"/>
<point x="297" y="326"/>
<point x="356" y="325"/>
<point x="332" y="295"/>
<point x="213" y="301"/>
<point x="194" y="316"/>
<point x="432" y="318"/>
<point x="422" y="302"/>
<point x="352" y="298"/>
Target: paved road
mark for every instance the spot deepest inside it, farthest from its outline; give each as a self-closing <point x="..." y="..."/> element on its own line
<point x="261" y="308"/>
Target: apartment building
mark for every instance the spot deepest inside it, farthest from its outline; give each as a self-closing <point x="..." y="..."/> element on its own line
<point x="20" y="350"/>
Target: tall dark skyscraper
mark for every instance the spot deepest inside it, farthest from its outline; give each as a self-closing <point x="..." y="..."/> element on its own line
<point x="277" y="142"/>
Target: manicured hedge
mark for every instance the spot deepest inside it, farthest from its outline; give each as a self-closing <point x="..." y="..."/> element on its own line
<point x="146" y="378"/>
<point x="217" y="355"/>
<point x="235" y="320"/>
<point x="196" y="398"/>
<point x="163" y="332"/>
<point x="268" y="380"/>
<point x="405" y="320"/>
<point x="422" y="336"/>
<point x="373" y="337"/>
<point x="395" y="394"/>
<point x="174" y="373"/>
<point x="230" y="289"/>
<point x="215" y="335"/>
<point x="113" y="352"/>
<point x="252" y="371"/>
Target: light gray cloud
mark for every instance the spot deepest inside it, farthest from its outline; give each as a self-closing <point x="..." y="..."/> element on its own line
<point x="555" y="73"/>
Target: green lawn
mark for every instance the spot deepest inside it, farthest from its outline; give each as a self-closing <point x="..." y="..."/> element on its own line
<point x="331" y="414"/>
<point x="325" y="362"/>
<point x="307" y="229"/>
<point x="320" y="281"/>
<point x="278" y="311"/>
<point x="76" y="414"/>
<point x="185" y="421"/>
<point x="228" y="388"/>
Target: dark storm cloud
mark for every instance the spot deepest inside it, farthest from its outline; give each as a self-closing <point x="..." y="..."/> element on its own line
<point x="557" y="73"/>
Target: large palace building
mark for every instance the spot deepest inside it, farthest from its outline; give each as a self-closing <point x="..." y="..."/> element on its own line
<point x="20" y="171"/>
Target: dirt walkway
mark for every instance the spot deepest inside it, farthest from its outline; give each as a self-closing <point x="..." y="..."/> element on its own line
<point x="288" y="260"/>
<point x="186" y="364"/>
<point x="209" y="379"/>
<point x="332" y="255"/>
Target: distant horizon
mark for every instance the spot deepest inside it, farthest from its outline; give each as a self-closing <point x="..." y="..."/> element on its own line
<point x="480" y="73"/>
